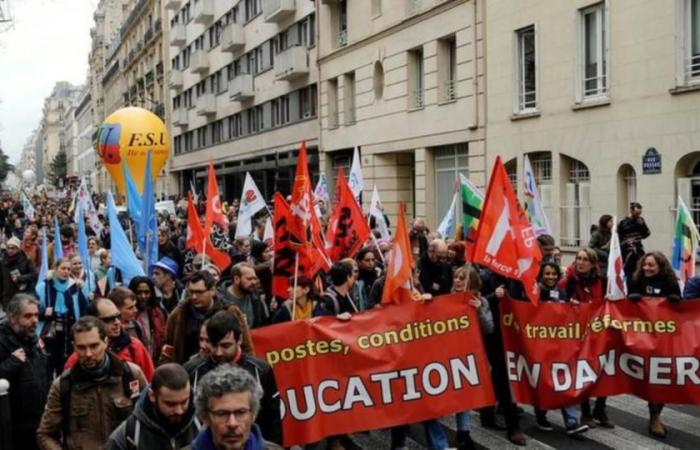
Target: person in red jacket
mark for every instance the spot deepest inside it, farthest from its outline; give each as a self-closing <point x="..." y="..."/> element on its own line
<point x="583" y="283"/>
<point x="126" y="347"/>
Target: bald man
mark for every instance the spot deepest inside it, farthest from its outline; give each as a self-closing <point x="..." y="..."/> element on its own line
<point x="435" y="273"/>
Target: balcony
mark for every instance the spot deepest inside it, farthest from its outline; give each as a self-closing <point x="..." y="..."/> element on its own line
<point x="276" y="11"/>
<point x="232" y="38"/>
<point x="178" y="35"/>
<point x="180" y="117"/>
<point x="292" y="63"/>
<point x="199" y="62"/>
<point x="206" y="104"/>
<point x="241" y="88"/>
<point x="175" y="80"/>
<point x="204" y="12"/>
<point x="173" y="5"/>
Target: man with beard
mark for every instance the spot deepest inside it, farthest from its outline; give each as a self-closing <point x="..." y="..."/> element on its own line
<point x="224" y="333"/>
<point x="17" y="274"/>
<point x="241" y="292"/>
<point x="87" y="402"/>
<point x="24" y="363"/>
<point x="163" y="416"/>
<point x="228" y="401"/>
<point x="126" y="347"/>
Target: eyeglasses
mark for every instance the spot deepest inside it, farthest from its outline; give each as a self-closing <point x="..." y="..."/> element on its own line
<point x="224" y="415"/>
<point x="110" y="319"/>
<point x="197" y="291"/>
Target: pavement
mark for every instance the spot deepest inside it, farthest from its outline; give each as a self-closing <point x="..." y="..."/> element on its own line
<point x="629" y="414"/>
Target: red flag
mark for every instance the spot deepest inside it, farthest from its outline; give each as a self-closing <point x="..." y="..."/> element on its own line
<point x="300" y="218"/>
<point x="214" y="213"/>
<point x="284" y="260"/>
<point x="319" y="257"/>
<point x="399" y="271"/>
<point x="347" y="227"/>
<point x="197" y="241"/>
<point x="505" y="241"/>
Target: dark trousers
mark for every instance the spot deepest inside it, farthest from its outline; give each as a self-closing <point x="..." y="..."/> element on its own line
<point x="499" y="376"/>
<point x="655" y="408"/>
<point x="599" y="406"/>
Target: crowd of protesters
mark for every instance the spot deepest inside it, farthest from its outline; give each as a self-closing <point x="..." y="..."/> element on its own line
<point x="166" y="361"/>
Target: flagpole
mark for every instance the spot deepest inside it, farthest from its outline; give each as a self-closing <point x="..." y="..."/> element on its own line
<point x="294" y="291"/>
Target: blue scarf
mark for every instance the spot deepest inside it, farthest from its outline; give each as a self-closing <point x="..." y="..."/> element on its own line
<point x="60" y="307"/>
<point x="205" y="441"/>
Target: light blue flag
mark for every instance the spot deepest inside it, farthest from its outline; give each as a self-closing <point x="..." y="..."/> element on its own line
<point x="447" y="226"/>
<point x="123" y="257"/>
<point x="57" y="246"/>
<point x="40" y="288"/>
<point x="83" y="253"/>
<point x="134" y="203"/>
<point x="148" y="223"/>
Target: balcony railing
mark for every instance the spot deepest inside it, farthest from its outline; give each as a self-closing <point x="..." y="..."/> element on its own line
<point x="232" y="38"/>
<point x="276" y="11"/>
<point x="292" y="63"/>
<point x="173" y="5"/>
<point x="199" y="63"/>
<point x="450" y="91"/>
<point x="418" y="98"/>
<point x="111" y="72"/>
<point x="178" y="35"/>
<point x="204" y="11"/>
<point x="206" y="104"/>
<point x="241" y="87"/>
<point x="343" y="38"/>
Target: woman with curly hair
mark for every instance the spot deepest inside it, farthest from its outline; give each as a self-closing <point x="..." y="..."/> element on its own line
<point x="654" y="277"/>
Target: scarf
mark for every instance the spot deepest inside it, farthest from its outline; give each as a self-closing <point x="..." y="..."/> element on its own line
<point x="99" y="372"/>
<point x="61" y="287"/>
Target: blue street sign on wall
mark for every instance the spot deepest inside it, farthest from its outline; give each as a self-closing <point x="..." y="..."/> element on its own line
<point x="651" y="162"/>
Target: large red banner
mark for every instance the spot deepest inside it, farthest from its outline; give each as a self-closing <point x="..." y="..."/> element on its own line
<point x="393" y="365"/>
<point x="560" y="354"/>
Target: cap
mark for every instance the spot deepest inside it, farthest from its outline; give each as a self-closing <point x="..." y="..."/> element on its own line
<point x="169" y="265"/>
<point x="13" y="241"/>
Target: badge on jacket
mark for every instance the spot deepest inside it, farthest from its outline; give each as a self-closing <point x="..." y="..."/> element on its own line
<point x="135" y="388"/>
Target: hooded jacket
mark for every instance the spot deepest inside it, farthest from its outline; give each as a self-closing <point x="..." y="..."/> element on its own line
<point x="26" y="280"/>
<point x="151" y="433"/>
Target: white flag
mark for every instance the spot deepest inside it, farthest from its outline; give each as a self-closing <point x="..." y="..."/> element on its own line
<point x="251" y="202"/>
<point x="269" y="235"/>
<point x="83" y="202"/>
<point x="356" y="182"/>
<point x="447" y="226"/>
<point x="617" y="283"/>
<point x="375" y="210"/>
<point x="533" y="202"/>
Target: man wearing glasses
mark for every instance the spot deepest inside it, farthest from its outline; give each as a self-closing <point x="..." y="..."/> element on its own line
<point x="435" y="272"/>
<point x="126" y="347"/>
<point x="228" y="401"/>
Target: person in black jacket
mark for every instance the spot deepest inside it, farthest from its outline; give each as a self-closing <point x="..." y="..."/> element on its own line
<point x="224" y="340"/>
<point x="164" y="416"/>
<point x="17" y="273"/>
<point x="167" y="248"/>
<point x="654" y="278"/>
<point x="632" y="230"/>
<point x="435" y="273"/>
<point x="23" y="362"/>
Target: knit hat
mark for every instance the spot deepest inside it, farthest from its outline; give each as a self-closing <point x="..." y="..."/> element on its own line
<point x="12" y="241"/>
<point x="168" y="265"/>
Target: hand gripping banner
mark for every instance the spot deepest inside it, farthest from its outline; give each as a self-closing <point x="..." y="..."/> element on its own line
<point x="393" y="365"/>
<point x="558" y="354"/>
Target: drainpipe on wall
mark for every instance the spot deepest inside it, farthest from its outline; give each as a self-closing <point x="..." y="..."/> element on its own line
<point x="475" y="72"/>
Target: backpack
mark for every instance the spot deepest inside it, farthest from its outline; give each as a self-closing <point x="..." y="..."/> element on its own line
<point x="66" y="386"/>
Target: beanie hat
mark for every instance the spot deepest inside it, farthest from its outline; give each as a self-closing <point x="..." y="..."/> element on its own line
<point x="168" y="265"/>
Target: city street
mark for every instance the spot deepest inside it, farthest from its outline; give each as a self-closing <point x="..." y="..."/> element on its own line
<point x="630" y="433"/>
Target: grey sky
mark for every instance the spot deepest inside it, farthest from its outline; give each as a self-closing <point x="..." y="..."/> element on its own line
<point x="48" y="41"/>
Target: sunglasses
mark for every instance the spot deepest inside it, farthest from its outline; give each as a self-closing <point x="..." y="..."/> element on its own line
<point x="110" y="319"/>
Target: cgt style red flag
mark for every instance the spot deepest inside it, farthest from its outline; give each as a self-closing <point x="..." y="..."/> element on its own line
<point x="283" y="268"/>
<point x="505" y="241"/>
<point x="199" y="242"/>
<point x="347" y="227"/>
<point x="397" y="286"/>
<point x="214" y="215"/>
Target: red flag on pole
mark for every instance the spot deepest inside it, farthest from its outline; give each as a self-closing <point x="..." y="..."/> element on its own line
<point x="283" y="268"/>
<point x="399" y="271"/>
<point x="347" y="227"/>
<point x="214" y="213"/>
<point x="505" y="241"/>
<point x="199" y="242"/>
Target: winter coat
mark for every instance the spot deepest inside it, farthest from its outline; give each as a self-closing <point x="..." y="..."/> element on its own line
<point x="434" y="273"/>
<point x="655" y="286"/>
<point x="583" y="288"/>
<point x="97" y="407"/>
<point x="150" y="431"/>
<point x="204" y="441"/>
<point x="268" y="418"/>
<point x="26" y="280"/>
<point x="178" y="324"/>
<point x="256" y="314"/>
<point x="29" y="380"/>
<point x="692" y="288"/>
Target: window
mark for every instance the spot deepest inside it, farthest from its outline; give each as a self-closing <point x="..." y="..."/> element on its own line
<point x="690" y="53"/>
<point x="199" y="43"/>
<point x="349" y="98"/>
<point x="252" y="9"/>
<point x="342" y="23"/>
<point x="526" y="76"/>
<point x="235" y="126"/>
<point x="217" y="132"/>
<point x="416" y="82"/>
<point x="449" y="162"/>
<point x="576" y="203"/>
<point x="447" y="68"/>
<point x="593" y="56"/>
<point x="333" y="103"/>
<point x="280" y="111"/>
<point x="307" y="102"/>
<point x="306" y="34"/>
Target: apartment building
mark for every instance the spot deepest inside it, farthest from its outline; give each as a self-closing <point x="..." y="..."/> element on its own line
<point x="404" y="81"/>
<point x="85" y="155"/>
<point x="604" y="98"/>
<point x="28" y="157"/>
<point x="243" y="88"/>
